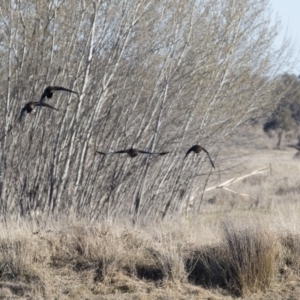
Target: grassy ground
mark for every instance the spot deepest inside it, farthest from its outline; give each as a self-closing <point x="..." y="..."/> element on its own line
<point x="244" y="243"/>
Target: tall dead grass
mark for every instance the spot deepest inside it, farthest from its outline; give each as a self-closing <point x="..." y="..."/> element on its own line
<point x="22" y="262"/>
<point x="252" y="253"/>
<point x="242" y="258"/>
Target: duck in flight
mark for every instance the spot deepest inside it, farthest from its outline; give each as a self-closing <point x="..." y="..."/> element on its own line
<point x="30" y="106"/>
<point x="198" y="149"/>
<point x="132" y="152"/>
<point x="48" y="92"/>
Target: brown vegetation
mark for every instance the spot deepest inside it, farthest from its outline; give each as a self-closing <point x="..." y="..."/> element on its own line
<point x="80" y="260"/>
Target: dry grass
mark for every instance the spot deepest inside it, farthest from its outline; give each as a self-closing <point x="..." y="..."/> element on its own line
<point x="93" y="260"/>
<point x="252" y="257"/>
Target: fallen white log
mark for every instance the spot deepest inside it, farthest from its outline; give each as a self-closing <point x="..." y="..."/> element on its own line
<point x="236" y="179"/>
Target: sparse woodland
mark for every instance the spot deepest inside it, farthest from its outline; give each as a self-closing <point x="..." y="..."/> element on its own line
<point x="158" y="75"/>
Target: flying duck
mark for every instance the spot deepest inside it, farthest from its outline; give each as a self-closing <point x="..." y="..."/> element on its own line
<point x="48" y="92"/>
<point x="30" y="106"/>
<point x="198" y="149"/>
<point x="132" y="152"/>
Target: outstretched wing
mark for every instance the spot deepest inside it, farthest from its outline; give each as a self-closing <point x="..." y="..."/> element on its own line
<point x="212" y="163"/>
<point x="160" y="153"/>
<point x="145" y="152"/>
<point x="102" y="153"/>
<point x="120" y="151"/>
<point x="188" y="152"/>
<point x="155" y="153"/>
<point x="50" y="89"/>
<point x="42" y="98"/>
<point x="45" y="104"/>
<point x="60" y="88"/>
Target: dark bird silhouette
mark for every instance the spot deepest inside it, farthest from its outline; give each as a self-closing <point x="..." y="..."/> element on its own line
<point x="198" y="149"/>
<point x="297" y="147"/>
<point x="30" y="106"/>
<point x="133" y="152"/>
<point x="48" y="92"/>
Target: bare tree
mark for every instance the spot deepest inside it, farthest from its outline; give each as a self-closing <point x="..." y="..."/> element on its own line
<point x="157" y="75"/>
